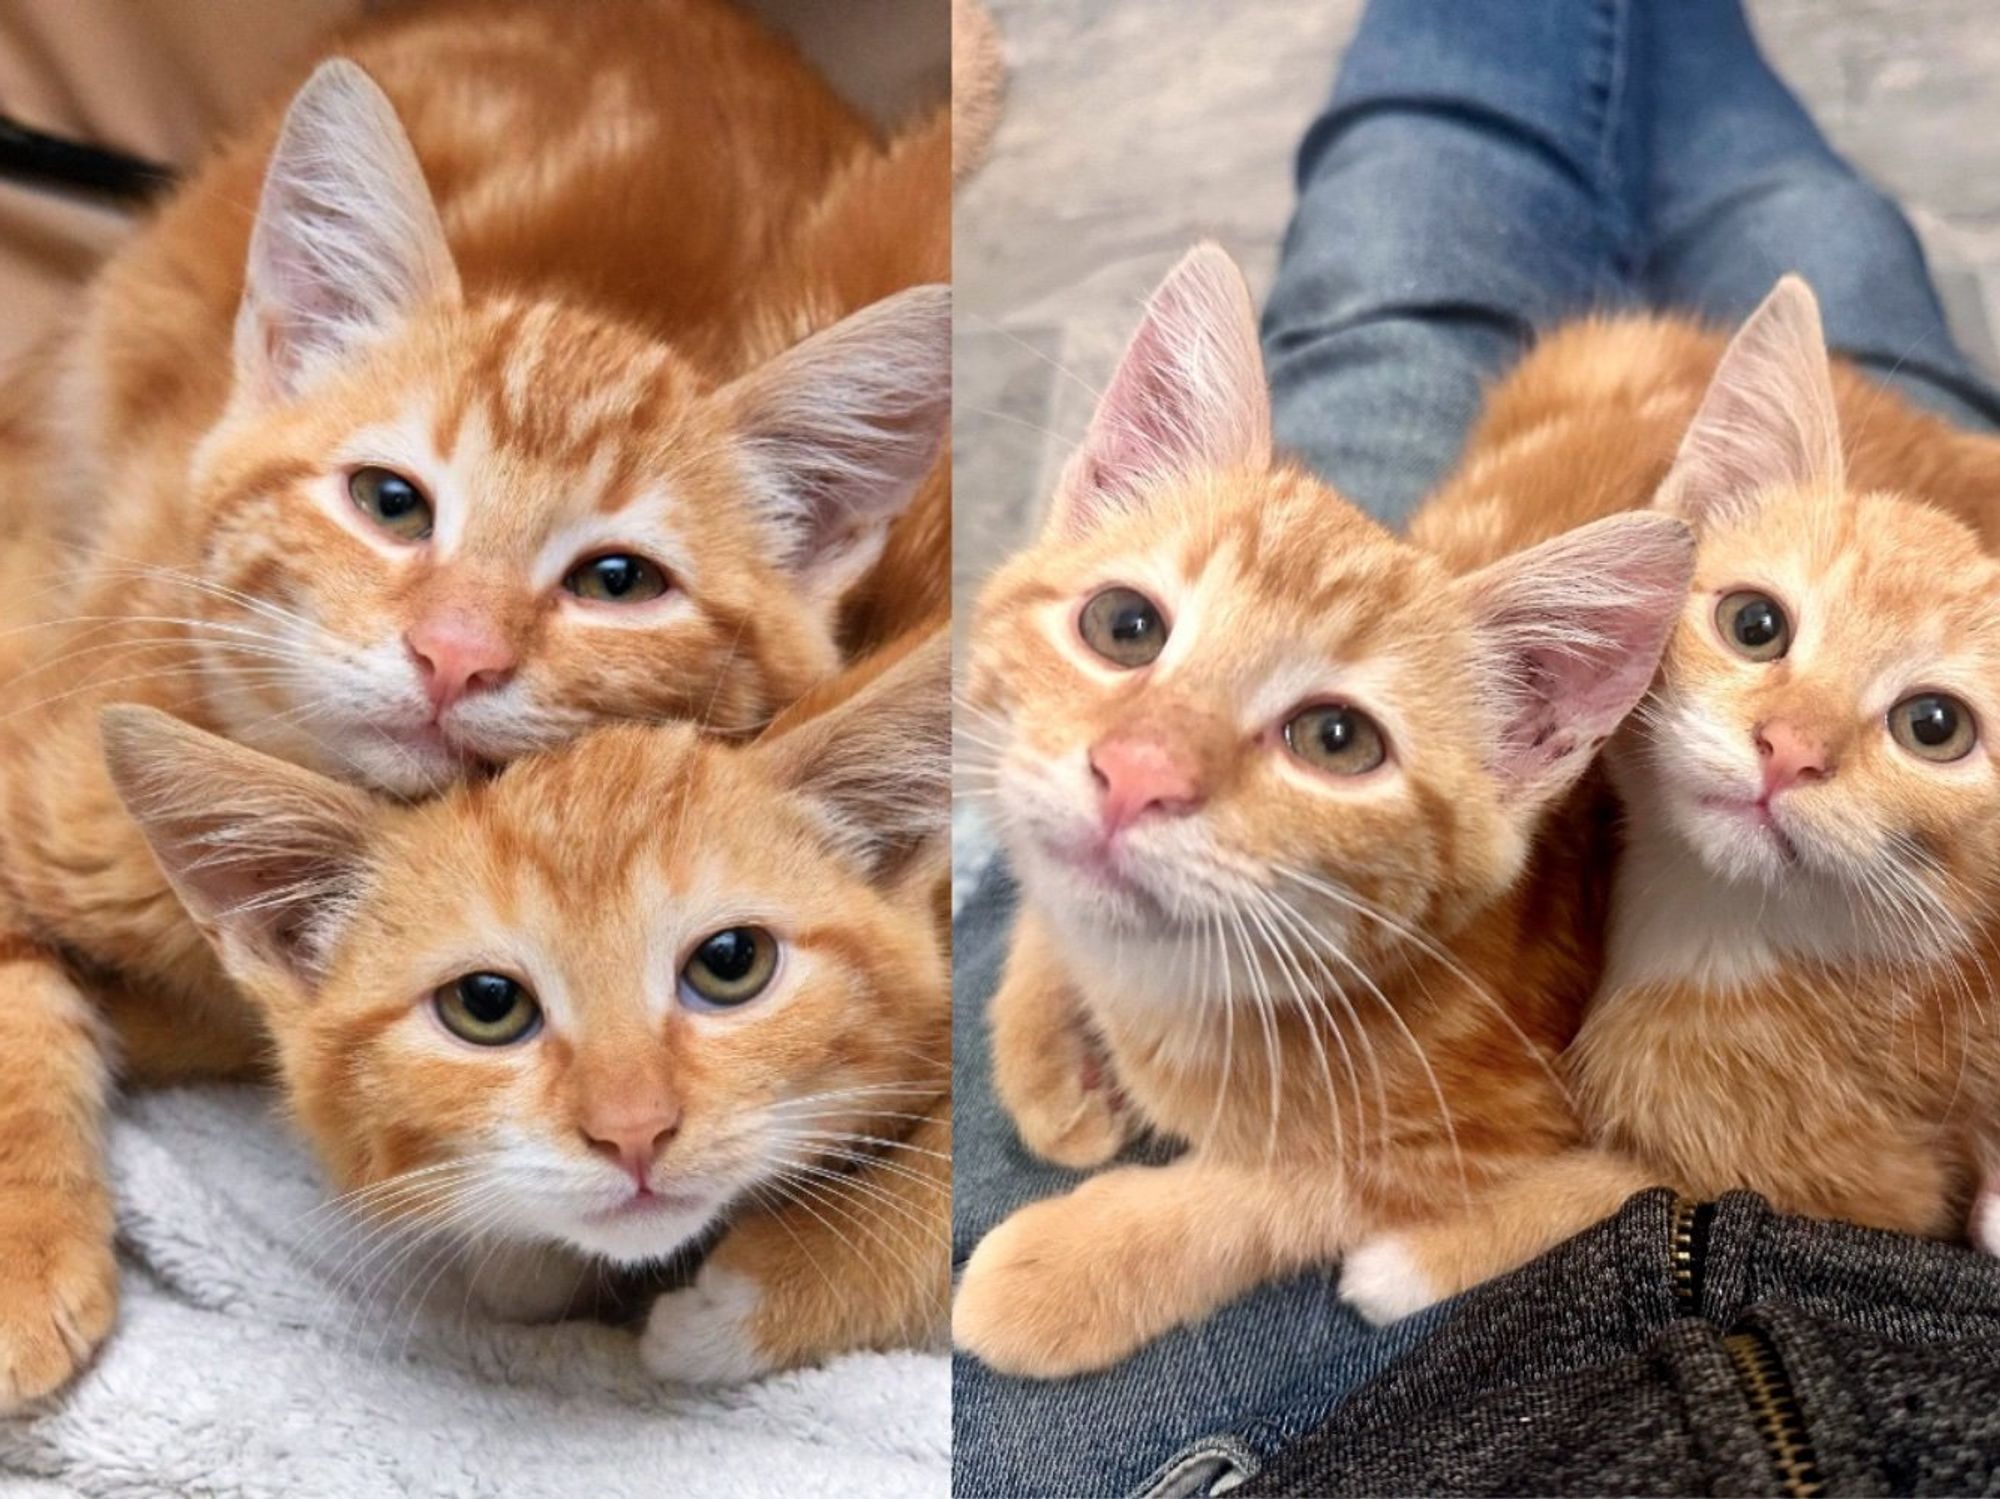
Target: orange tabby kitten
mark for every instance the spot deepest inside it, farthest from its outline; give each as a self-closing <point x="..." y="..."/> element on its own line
<point x="1797" y="992"/>
<point x="1270" y="778"/>
<point x="616" y="995"/>
<point x="464" y="440"/>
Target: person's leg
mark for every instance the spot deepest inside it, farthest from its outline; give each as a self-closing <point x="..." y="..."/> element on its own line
<point x="1743" y="188"/>
<point x="1476" y="176"/>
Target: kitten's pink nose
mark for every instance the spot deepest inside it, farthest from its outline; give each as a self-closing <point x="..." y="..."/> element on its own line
<point x="1790" y="756"/>
<point x="633" y="1140"/>
<point x="1138" y="774"/>
<point x="459" y="654"/>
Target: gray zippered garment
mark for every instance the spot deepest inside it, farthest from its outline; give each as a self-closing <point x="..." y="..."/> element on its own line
<point x="1675" y="1350"/>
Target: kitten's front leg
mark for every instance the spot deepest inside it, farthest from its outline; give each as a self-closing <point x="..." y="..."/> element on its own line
<point x="1078" y="1282"/>
<point x="1051" y="1073"/>
<point x="863" y="1261"/>
<point x="58" y="1281"/>
<point x="1394" y="1275"/>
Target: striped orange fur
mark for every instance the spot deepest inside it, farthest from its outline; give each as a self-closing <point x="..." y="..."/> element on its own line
<point x="1799" y="990"/>
<point x="502" y="250"/>
<point x="1275" y="963"/>
<point x="809" y="1121"/>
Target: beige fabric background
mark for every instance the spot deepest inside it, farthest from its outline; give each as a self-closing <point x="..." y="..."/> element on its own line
<point x="159" y="77"/>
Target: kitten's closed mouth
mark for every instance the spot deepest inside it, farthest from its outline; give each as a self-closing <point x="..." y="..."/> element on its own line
<point x="1759" y="812"/>
<point x="647" y="1202"/>
<point x="1103" y="865"/>
<point x="1098" y="858"/>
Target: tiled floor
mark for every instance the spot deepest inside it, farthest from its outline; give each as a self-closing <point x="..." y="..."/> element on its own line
<point x="1134" y="126"/>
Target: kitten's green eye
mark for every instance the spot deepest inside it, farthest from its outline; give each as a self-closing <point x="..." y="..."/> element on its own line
<point x="616" y="578"/>
<point x="487" y="1009"/>
<point x="1934" y="726"/>
<point x="1123" y="626"/>
<point x="392" y="502"/>
<point x="730" y="968"/>
<point x="1336" y="738"/>
<point x="1754" y="623"/>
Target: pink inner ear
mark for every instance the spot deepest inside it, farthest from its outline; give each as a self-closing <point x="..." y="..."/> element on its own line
<point x="1188" y="393"/>
<point x="1576" y="627"/>
<point x="1768" y="419"/>
<point x="1569" y="702"/>
<point x="1147" y="419"/>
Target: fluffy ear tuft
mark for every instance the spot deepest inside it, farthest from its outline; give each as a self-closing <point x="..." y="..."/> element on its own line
<point x="840" y="432"/>
<point x="878" y="759"/>
<point x="267" y="858"/>
<point x="1768" y="420"/>
<point x="347" y="241"/>
<point x="1187" y="394"/>
<point x="1573" y="631"/>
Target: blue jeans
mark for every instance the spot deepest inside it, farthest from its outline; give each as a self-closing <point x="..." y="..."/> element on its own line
<point x="1485" y="168"/>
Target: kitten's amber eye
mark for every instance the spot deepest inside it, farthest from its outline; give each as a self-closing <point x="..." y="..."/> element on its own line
<point x="1123" y="626"/>
<point x="392" y="502"/>
<point x="1934" y="726"/>
<point x="1336" y="738"/>
<point x="1756" y="624"/>
<point x="487" y="1009"/>
<point x="616" y="578"/>
<point x="730" y="968"/>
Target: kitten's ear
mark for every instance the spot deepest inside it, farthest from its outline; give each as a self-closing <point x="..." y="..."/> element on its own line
<point x="347" y="241"/>
<point x="840" y="431"/>
<point x="265" y="856"/>
<point x="1768" y="420"/>
<point x="1188" y="394"/>
<point x="879" y="759"/>
<point x="1572" y="631"/>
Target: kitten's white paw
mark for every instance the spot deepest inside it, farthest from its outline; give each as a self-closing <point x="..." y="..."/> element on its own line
<point x="1381" y="1281"/>
<point x="1985" y="1226"/>
<point x="701" y="1335"/>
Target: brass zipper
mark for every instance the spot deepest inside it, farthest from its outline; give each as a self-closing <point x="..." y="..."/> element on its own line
<point x="1765" y="1385"/>
<point x="1776" y="1408"/>
<point x="1690" y="1241"/>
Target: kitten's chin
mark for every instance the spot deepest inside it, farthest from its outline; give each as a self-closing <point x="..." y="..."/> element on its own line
<point x="402" y="765"/>
<point x="638" y="1230"/>
<point x="1107" y="894"/>
<point x="410" y="762"/>
<point x="1742" y="841"/>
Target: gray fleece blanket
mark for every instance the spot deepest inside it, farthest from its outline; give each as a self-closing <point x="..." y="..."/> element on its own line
<point x="269" y="1346"/>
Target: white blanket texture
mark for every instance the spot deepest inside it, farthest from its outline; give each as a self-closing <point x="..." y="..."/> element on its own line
<point x="266" y="1347"/>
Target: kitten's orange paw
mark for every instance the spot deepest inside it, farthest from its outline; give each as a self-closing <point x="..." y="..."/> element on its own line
<point x="1069" y="1111"/>
<point x="58" y="1294"/>
<point x="1043" y="1296"/>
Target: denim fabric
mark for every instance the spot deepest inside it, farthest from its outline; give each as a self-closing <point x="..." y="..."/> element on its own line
<point x="1485" y="168"/>
<point x="1485" y="171"/>
<point x="1742" y="188"/>
<point x="1477" y="175"/>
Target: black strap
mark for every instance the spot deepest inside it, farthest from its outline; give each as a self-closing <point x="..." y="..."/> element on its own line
<point x="35" y="156"/>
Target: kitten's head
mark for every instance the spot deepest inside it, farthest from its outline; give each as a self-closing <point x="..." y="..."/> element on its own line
<point x="604" y="995"/>
<point x="1821" y="727"/>
<point x="444" y="529"/>
<point x="1225" y="708"/>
